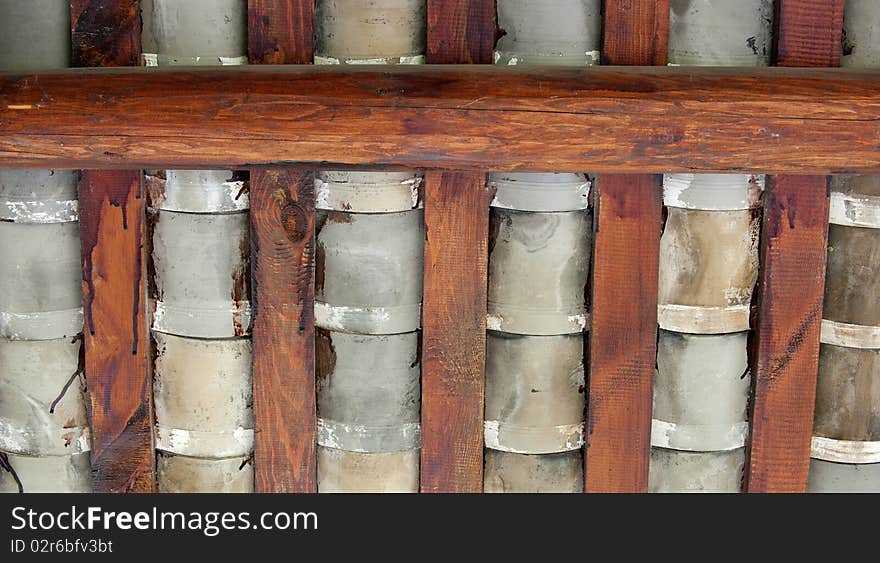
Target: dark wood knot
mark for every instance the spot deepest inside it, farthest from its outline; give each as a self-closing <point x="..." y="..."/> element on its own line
<point x="295" y="221"/>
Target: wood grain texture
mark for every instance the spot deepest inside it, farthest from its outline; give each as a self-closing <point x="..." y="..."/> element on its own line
<point x="809" y="33"/>
<point x="111" y="216"/>
<point x="281" y="31"/>
<point x="283" y="266"/>
<point x="454" y="331"/>
<point x="792" y="281"/>
<point x="623" y="336"/>
<point x="112" y="235"/>
<point x="791" y="289"/>
<point x="461" y="31"/>
<point x="636" y="32"/>
<point x="105" y="32"/>
<point x="623" y="345"/>
<point x="614" y="119"/>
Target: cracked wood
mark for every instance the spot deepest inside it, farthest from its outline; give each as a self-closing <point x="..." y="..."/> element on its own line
<point x="448" y="117"/>
<point x="112" y="232"/>
<point x="283" y="266"/>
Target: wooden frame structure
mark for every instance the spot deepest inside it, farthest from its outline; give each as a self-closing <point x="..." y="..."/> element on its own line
<point x="458" y="123"/>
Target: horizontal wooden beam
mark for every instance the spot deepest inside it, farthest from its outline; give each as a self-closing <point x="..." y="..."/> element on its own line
<point x="613" y="119"/>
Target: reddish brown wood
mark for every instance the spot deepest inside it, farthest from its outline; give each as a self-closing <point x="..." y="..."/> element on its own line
<point x="112" y="231"/>
<point x="454" y="304"/>
<point x="283" y="266"/>
<point x="106" y="33"/>
<point x="614" y="119"/>
<point x="281" y="31"/>
<point x="623" y="337"/>
<point x="636" y="32"/>
<point x="454" y="331"/>
<point x="795" y="235"/>
<point x="461" y="31"/>
<point x="283" y="259"/>
<point x="809" y="33"/>
<point x="789" y="319"/>
<point x="111" y="212"/>
<point x="623" y="344"/>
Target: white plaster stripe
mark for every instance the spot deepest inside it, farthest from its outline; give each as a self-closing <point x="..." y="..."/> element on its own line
<point x="855" y="211"/>
<point x="845" y="451"/>
<point x="850" y="335"/>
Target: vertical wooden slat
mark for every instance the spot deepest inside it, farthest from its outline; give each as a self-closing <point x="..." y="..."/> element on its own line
<point x="623" y="345"/>
<point x="283" y="264"/>
<point x="792" y="281"/>
<point x="281" y="31"/>
<point x="454" y="331"/>
<point x="461" y="31"/>
<point x="809" y="33"/>
<point x="623" y="336"/>
<point x="456" y="260"/>
<point x="636" y="32"/>
<point x="111" y="213"/>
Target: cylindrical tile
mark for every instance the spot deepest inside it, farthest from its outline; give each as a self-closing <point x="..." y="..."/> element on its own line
<point x="829" y="477"/>
<point x="534" y="393"/>
<point x="507" y="472"/>
<point x="203" y="396"/>
<point x="701" y="392"/>
<point x="720" y="32"/>
<point x="369" y="271"/>
<point x="550" y="32"/>
<point x="340" y="471"/>
<point x="538" y="271"/>
<point x="368" y="391"/>
<point x="674" y="471"/>
<point x="861" y="34"/>
<point x="50" y="474"/>
<point x="182" y="474"/>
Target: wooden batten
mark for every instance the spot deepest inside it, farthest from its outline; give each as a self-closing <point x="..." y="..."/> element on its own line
<point x="790" y="295"/>
<point x="454" y="304"/>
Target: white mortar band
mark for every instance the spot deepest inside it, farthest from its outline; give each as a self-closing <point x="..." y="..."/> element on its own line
<point x="154" y="59"/>
<point x="355" y="193"/>
<point x="62" y="211"/>
<point x="547" y="57"/>
<point x="497" y="435"/>
<point x="201" y="444"/>
<point x="202" y="191"/>
<point x="215" y="322"/>
<point x="368" y="320"/>
<point x="698" y="437"/>
<point x="369" y="439"/>
<point x="845" y="451"/>
<point x="540" y="191"/>
<point x="703" y="320"/>
<point x="44" y="325"/>
<point x="18" y="439"/>
<point x="403" y="60"/>
<point x="850" y="335"/>
<point x="535" y="322"/>
<point x="853" y="210"/>
<point x="713" y="192"/>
